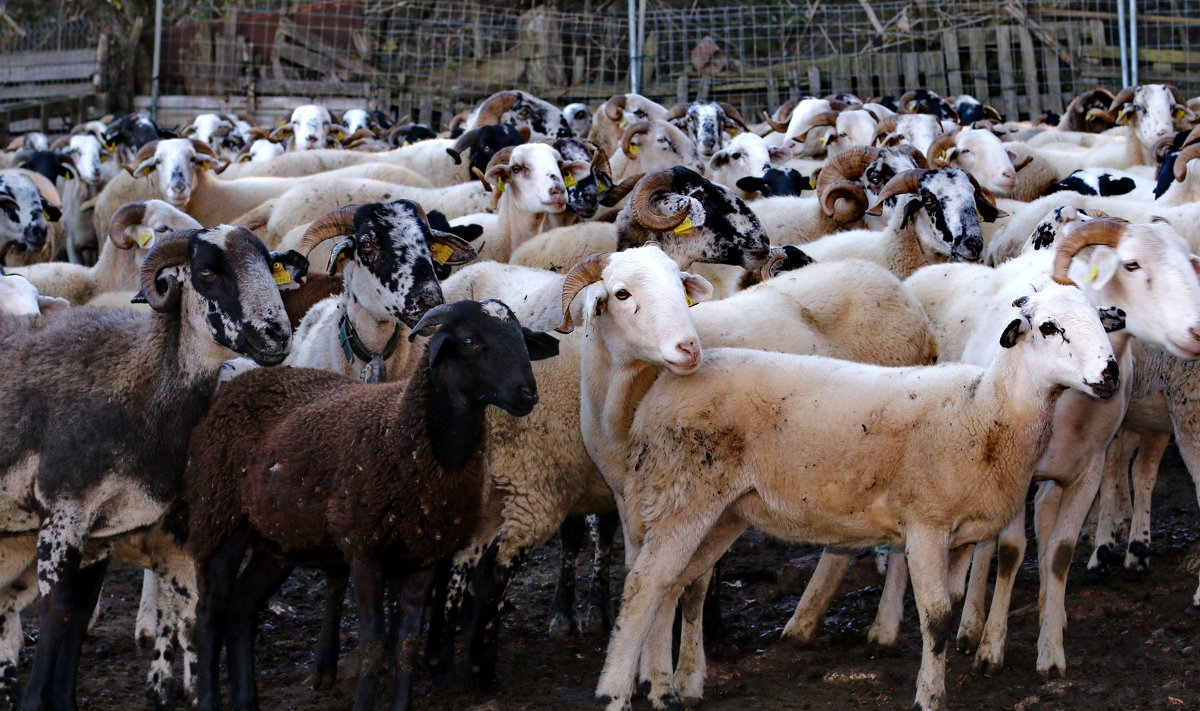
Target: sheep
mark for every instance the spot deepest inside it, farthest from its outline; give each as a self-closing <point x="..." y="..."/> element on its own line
<point x="579" y="118"/>
<point x="917" y="130"/>
<point x="709" y="124"/>
<point x="127" y="134"/>
<point x="1103" y="182"/>
<point x="617" y="113"/>
<point x="939" y="221"/>
<point x="408" y="133"/>
<point x="425" y="479"/>
<point x="34" y="202"/>
<point x="847" y="128"/>
<point x="926" y="101"/>
<point x="427" y="158"/>
<point x="744" y="156"/>
<point x="648" y="329"/>
<point x="521" y="109"/>
<point x="386" y="255"/>
<point x="132" y="231"/>
<point x="260" y="150"/>
<point x="970" y="110"/>
<point x="981" y="154"/>
<point x="776" y="182"/>
<point x="129" y="368"/>
<point x="1144" y="270"/>
<point x="1152" y="112"/>
<point x="484" y="143"/>
<point x="19" y="297"/>
<point x="647" y="146"/>
<point x="206" y="127"/>
<point x="94" y="167"/>
<point x="309" y="126"/>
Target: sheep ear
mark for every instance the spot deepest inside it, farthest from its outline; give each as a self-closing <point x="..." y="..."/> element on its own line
<point x="779" y="154"/>
<point x="751" y="184"/>
<point x="343" y="249"/>
<point x="50" y="304"/>
<point x="289" y="269"/>
<point x="719" y="159"/>
<point x="540" y="345"/>
<point x="53" y="213"/>
<point x="696" y="287"/>
<point x="450" y="249"/>
<point x="436" y="349"/>
<point x="1012" y="333"/>
<point x="1094" y="270"/>
<point x="987" y="211"/>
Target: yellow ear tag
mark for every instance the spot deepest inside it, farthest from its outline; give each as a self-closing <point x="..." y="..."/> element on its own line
<point x="341" y="262"/>
<point x="910" y="105"/>
<point x="684" y="227"/>
<point x="569" y="180"/>
<point x="623" y="123"/>
<point x="281" y="275"/>
<point x="1091" y="277"/>
<point x="144" y="237"/>
<point x="812" y="185"/>
<point x="824" y="139"/>
<point x="634" y="150"/>
<point x="732" y="132"/>
<point x="45" y="215"/>
<point x="206" y="165"/>
<point x="110" y="147"/>
<point x="979" y="215"/>
<point x="690" y="303"/>
<point x="441" y="253"/>
<point x="600" y="188"/>
<point x="500" y="185"/>
<point x="339" y="135"/>
<point x="404" y="145"/>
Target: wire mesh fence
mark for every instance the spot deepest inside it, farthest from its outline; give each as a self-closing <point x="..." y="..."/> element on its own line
<point x="430" y="59"/>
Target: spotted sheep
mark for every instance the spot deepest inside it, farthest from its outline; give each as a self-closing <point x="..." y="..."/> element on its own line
<point x="386" y="255"/>
<point x="710" y="124"/>
<point x="28" y="204"/>
<point x="700" y="453"/>
<point x="1147" y="273"/>
<point x="92" y="166"/>
<point x="418" y="487"/>
<point x="521" y="109"/>
<point x="113" y="462"/>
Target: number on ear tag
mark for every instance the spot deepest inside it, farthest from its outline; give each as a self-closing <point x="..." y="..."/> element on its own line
<point x="280" y="274"/>
<point x="144" y="237"/>
<point x="684" y="227"/>
<point x="441" y="253"/>
<point x="569" y="180"/>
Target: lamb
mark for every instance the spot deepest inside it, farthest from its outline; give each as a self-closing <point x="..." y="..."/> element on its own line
<point x="65" y="484"/>
<point x="647" y="329"/>
<point x="133" y="230"/>
<point x="1144" y="270"/>
<point x="386" y="254"/>
<point x="424" y="470"/>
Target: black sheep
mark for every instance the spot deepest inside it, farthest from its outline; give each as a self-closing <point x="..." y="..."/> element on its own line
<point x="307" y="467"/>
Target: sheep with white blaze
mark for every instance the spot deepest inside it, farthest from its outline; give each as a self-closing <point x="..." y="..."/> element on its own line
<point x="647" y="146"/>
<point x="980" y="153"/>
<point x="705" y="455"/>
<point x="125" y="387"/>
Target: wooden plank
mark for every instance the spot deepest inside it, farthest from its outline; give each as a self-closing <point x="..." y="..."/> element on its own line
<point x="1052" y="100"/>
<point x="1029" y="68"/>
<point x="41" y="91"/>
<point x="51" y="59"/>
<point x="1004" y="60"/>
<point x="1173" y="20"/>
<point x="934" y="64"/>
<point x="977" y="43"/>
<point x="912" y="68"/>
<point x="63" y="72"/>
<point x="814" y="81"/>
<point x="312" y="88"/>
<point x="953" y="70"/>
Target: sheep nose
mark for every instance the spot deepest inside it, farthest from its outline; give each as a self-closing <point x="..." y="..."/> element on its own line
<point x="1112" y="373"/>
<point x="557" y="190"/>
<point x="690" y="350"/>
<point x="528" y="393"/>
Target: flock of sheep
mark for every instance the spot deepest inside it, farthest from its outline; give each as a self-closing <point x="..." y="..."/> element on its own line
<point x="730" y="353"/>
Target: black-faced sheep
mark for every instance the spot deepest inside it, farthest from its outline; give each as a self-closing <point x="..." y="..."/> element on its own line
<point x="262" y="477"/>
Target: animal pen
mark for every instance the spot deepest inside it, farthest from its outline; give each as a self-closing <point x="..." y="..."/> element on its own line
<point x="430" y="59"/>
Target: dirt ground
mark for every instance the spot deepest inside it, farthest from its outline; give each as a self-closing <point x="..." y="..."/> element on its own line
<point x="1130" y="644"/>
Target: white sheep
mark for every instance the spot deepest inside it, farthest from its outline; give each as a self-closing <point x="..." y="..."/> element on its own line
<point x="19" y="297"/>
<point x="745" y="155"/>
<point x="647" y="146"/>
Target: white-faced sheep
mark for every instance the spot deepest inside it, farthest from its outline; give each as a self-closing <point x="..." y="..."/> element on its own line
<point x="615" y="115"/>
<point x="418" y="488"/>
<point x="745" y="156"/>
<point x="115" y="463"/>
<point x="705" y="425"/>
<point x="647" y="146"/>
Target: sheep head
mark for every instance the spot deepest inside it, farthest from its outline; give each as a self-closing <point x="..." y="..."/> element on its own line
<point x="945" y="207"/>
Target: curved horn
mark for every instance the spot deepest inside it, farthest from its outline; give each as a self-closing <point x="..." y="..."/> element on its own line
<point x="1104" y="231"/>
<point x="639" y="202"/>
<point x="632" y="130"/>
<point x="902" y="104"/>
<point x="770" y="266"/>
<point x="676" y="111"/>
<point x="1181" y="161"/>
<point x="128" y="215"/>
<point x="60" y="143"/>
<point x="335" y="223"/>
<point x="586" y="271"/>
<point x="501" y="157"/>
<point x="145" y="152"/>
<point x="614" y="108"/>
<point x="778" y="127"/>
<point x="907" y="182"/>
<point x="732" y="113"/>
<point x="357" y="136"/>
<point x="620" y="190"/>
<point x="1179" y="97"/>
<point x="202" y="147"/>
<point x="468" y="139"/>
<point x="1192" y="137"/>
<point x="938" y="150"/>
<point x="884" y="127"/>
<point x="169" y="251"/>
<point x="494" y="107"/>
<point x="825" y="118"/>
<point x="1121" y="99"/>
<point x="838" y="191"/>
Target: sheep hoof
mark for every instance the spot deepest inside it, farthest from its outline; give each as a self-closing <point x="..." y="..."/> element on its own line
<point x="987" y="667"/>
<point x="966" y="645"/>
<point x="669" y="702"/>
<point x="322" y="679"/>
<point x="1054" y="672"/>
<point x="563" y="627"/>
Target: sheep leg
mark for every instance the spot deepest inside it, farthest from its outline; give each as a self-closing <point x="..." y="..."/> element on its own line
<point x="989" y="657"/>
<point x="885" y="631"/>
<point x="597" y="614"/>
<point x="217" y="579"/>
<point x="1054" y="567"/>
<point x="1188" y="442"/>
<point x="262" y="576"/>
<point x="324" y="671"/>
<point x="173" y="626"/>
<point x="712" y="605"/>
<point x="1145" y="473"/>
<point x="84" y="593"/>
<point x="148" y="611"/>
<point x="668" y="553"/>
<point x="1108" y="522"/>
<point x="970" y="626"/>
<point x="372" y="637"/>
<point x="928" y="562"/>
<point x="17" y="557"/>
<point x="490" y="584"/>
<point x="439" y="643"/>
<point x="819" y="592"/>
<point x="410" y="607"/>
<point x="563" y="621"/>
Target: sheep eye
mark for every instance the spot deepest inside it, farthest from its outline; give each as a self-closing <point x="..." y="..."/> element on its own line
<point x="621" y="294"/>
<point x="964" y="150"/>
<point x="161" y="228"/>
<point x="517" y="169"/>
<point x="1132" y="266"/>
<point x="1048" y="329"/>
<point x="205" y="273"/>
<point x="737" y="156"/>
<point x="639" y="113"/>
<point x="468" y="341"/>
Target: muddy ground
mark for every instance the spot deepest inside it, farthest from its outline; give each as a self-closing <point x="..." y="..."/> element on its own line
<point x="1130" y="643"/>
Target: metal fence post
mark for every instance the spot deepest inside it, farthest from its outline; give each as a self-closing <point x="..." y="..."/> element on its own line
<point x="1133" y="57"/>
<point x="634" y="74"/>
<point x="1123" y="42"/>
<point x="158" y="12"/>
